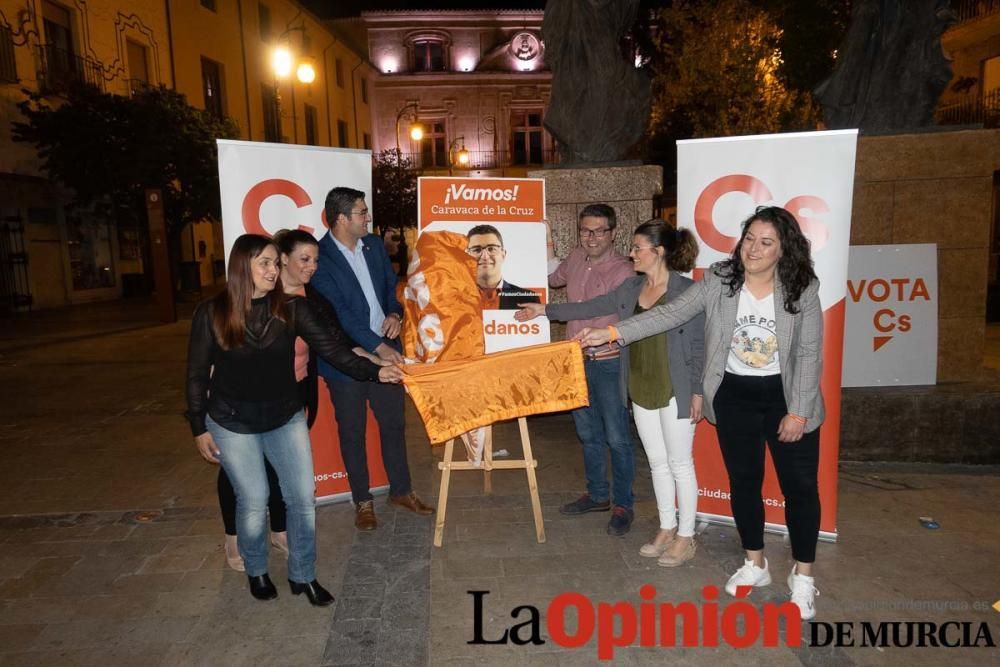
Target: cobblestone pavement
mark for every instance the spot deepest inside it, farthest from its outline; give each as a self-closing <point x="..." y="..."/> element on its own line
<point x="112" y="544"/>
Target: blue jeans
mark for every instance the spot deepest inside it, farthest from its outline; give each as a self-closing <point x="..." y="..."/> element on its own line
<point x="604" y="425"/>
<point x="288" y="451"/>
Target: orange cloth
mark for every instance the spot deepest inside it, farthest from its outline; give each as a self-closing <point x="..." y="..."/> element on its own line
<point x="443" y="319"/>
<point x="456" y="396"/>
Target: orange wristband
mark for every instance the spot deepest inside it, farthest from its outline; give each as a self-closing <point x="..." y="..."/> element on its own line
<point x="801" y="420"/>
<point x="613" y="332"/>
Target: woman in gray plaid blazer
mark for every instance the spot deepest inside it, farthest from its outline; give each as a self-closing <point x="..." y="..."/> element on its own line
<point x="763" y="349"/>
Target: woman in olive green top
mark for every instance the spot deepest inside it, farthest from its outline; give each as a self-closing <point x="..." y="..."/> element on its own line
<point x="662" y="375"/>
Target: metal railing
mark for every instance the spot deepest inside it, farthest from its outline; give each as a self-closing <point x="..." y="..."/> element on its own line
<point x="983" y="111"/>
<point x="58" y="69"/>
<point x="485" y="159"/>
<point x="8" y="65"/>
<point x="971" y="10"/>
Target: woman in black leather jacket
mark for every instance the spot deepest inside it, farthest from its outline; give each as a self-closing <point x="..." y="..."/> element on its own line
<point x="244" y="405"/>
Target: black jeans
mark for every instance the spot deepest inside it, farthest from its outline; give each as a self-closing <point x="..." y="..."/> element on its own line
<point x="275" y="503"/>
<point x="350" y="400"/>
<point x="748" y="411"/>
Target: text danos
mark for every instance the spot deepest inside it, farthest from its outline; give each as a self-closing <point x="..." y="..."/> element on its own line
<point x="512" y="328"/>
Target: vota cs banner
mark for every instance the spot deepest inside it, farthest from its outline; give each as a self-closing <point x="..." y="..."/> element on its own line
<point x="720" y="182"/>
<point x="269" y="187"/>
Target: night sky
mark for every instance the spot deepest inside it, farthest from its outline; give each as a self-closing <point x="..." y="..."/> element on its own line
<point x="339" y="8"/>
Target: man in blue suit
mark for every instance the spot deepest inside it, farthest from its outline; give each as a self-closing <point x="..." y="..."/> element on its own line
<point x="356" y="277"/>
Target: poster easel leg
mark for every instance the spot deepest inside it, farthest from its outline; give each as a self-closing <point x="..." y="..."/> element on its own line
<point x="442" y="507"/>
<point x="529" y="465"/>
<point x="488" y="458"/>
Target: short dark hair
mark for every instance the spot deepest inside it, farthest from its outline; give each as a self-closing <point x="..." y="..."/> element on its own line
<point x="485" y="229"/>
<point x="600" y="211"/>
<point x="340" y="201"/>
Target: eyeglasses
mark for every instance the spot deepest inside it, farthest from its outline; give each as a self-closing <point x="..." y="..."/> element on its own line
<point x="637" y="248"/>
<point x="363" y="213"/>
<point x="477" y="250"/>
<point x="594" y="233"/>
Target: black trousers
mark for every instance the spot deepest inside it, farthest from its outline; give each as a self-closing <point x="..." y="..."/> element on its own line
<point x="748" y="411"/>
<point x="350" y="400"/>
<point x="275" y="503"/>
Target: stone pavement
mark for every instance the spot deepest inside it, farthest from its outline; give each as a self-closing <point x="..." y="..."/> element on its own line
<point x="112" y="544"/>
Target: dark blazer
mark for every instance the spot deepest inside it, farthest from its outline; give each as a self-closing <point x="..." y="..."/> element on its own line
<point x="685" y="342"/>
<point x="511" y="295"/>
<point x="335" y="281"/>
<point x="800" y="339"/>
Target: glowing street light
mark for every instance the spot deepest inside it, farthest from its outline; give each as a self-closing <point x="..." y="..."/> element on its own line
<point x="281" y="62"/>
<point x="306" y="73"/>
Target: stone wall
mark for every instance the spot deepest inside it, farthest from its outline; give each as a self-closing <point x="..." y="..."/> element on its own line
<point x="935" y="188"/>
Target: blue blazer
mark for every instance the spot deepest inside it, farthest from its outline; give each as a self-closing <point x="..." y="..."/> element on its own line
<point x="335" y="280"/>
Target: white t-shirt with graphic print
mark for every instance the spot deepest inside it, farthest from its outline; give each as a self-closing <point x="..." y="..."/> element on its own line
<point x="754" y="347"/>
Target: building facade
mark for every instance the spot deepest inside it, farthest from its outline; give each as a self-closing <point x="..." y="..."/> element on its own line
<point x="473" y="79"/>
<point x="219" y="54"/>
<point x="973" y="99"/>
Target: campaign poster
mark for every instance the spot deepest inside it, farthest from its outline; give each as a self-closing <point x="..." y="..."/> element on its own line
<point x="502" y="221"/>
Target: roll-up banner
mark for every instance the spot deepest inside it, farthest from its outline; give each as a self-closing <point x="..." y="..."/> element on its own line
<point x="269" y="187"/>
<point x="720" y="182"/>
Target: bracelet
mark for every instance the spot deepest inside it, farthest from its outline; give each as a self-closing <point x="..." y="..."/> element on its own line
<point x="613" y="333"/>
<point x="549" y="243"/>
<point x="801" y="420"/>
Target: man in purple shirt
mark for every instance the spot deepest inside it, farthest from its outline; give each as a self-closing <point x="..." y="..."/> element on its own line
<point x="591" y="270"/>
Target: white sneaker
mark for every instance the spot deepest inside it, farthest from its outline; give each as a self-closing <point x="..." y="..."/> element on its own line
<point x="803" y="594"/>
<point x="748" y="575"/>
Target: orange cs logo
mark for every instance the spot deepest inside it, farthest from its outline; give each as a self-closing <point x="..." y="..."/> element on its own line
<point x="256" y="195"/>
<point x="814" y="229"/>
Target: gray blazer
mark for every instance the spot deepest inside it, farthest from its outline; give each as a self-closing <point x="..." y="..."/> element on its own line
<point x="800" y="339"/>
<point x="685" y="341"/>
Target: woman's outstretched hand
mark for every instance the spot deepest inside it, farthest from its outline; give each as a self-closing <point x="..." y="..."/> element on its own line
<point x="529" y="311"/>
<point x="593" y="337"/>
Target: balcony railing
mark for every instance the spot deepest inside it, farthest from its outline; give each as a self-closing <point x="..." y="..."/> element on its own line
<point x="970" y="10"/>
<point x="485" y="160"/>
<point x="58" y="69"/>
<point x="983" y="111"/>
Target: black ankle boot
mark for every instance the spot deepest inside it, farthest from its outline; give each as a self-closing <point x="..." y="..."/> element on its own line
<point x="318" y="596"/>
<point x="262" y="588"/>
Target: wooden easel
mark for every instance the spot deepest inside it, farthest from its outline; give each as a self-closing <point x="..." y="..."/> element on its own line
<point x="528" y="463"/>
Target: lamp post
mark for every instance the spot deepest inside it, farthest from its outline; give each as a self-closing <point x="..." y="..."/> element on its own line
<point x="283" y="63"/>
<point x="416" y="133"/>
<point x="461" y="157"/>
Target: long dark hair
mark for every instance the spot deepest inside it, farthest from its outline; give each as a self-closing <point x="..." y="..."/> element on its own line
<point x="795" y="268"/>
<point x="679" y="245"/>
<point x="232" y="306"/>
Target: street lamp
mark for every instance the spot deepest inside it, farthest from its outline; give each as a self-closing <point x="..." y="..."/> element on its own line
<point x="461" y="157"/>
<point x="416" y="128"/>
<point x="283" y="63"/>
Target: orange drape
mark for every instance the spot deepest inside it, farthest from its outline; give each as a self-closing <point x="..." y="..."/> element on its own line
<point x="453" y="397"/>
<point x="443" y="319"/>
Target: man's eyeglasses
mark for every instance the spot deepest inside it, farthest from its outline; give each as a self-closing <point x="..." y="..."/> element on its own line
<point x="477" y="250"/>
<point x="594" y="233"/>
<point x="363" y="213"/>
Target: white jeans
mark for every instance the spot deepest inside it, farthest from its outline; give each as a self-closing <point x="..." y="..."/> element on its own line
<point x="668" y="442"/>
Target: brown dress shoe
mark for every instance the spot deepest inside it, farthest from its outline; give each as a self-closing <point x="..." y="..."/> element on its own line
<point x="412" y="503"/>
<point x="364" y="518"/>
